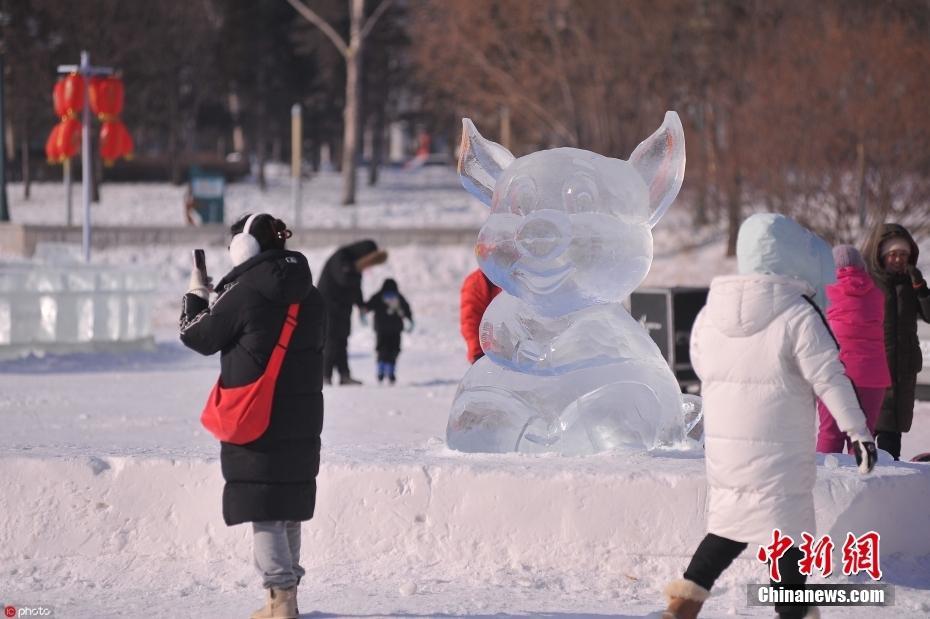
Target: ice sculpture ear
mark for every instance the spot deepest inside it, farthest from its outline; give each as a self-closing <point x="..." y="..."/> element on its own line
<point x="660" y="160"/>
<point x="481" y="162"/>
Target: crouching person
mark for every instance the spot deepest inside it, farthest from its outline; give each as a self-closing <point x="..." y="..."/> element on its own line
<point x="268" y="322"/>
<point x="763" y="353"/>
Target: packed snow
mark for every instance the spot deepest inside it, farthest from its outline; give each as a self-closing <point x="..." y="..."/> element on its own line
<point x="112" y="489"/>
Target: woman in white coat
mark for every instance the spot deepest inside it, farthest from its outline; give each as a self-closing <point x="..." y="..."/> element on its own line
<point x="763" y="353"/>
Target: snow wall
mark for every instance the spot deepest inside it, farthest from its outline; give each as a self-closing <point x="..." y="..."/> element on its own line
<point x="76" y="307"/>
<point x="123" y="517"/>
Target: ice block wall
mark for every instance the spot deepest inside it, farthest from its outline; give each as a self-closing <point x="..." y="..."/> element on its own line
<point x="73" y="307"/>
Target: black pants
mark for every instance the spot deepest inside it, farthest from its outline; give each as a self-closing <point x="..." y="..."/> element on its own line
<point x="335" y="352"/>
<point x="890" y="442"/>
<point x="715" y="554"/>
<point x="388" y="346"/>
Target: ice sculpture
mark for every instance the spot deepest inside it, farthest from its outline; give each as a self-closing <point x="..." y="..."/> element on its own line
<point x="566" y="368"/>
<point x="74" y="307"/>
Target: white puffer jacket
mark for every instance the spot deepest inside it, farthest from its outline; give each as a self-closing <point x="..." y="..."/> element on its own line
<point x="763" y="352"/>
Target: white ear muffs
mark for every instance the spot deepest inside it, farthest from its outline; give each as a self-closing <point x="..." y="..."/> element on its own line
<point x="244" y="246"/>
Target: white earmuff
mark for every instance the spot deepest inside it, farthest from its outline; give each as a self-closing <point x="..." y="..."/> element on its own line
<point x="244" y="246"/>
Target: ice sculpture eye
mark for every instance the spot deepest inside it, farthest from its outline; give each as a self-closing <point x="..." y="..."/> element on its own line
<point x="522" y="196"/>
<point x="579" y="194"/>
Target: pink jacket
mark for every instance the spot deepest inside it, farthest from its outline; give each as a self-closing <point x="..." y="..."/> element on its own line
<point x="856" y="313"/>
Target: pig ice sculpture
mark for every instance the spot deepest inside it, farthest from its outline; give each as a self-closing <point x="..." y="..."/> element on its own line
<point x="566" y="368"/>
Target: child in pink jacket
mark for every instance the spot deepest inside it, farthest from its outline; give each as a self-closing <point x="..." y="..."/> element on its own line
<point x="855" y="313"/>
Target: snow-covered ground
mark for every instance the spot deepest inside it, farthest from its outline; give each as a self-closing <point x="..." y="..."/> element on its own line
<point x="111" y="490"/>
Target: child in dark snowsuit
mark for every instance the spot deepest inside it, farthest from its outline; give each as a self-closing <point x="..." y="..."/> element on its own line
<point x="391" y="310"/>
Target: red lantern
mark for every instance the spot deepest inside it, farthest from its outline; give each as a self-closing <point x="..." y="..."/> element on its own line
<point x="72" y="95"/>
<point x="51" y="145"/>
<point x="58" y="98"/>
<point x="114" y="141"/>
<point x="69" y="138"/>
<point x="106" y="97"/>
<point x="128" y="147"/>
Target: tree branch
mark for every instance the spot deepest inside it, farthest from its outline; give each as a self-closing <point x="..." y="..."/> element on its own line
<point x="373" y="18"/>
<point x="308" y="14"/>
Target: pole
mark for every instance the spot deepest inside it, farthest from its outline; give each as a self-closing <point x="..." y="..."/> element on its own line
<point x="85" y="154"/>
<point x="4" y="205"/>
<point x="86" y="71"/>
<point x="296" y="160"/>
<point x="505" y="127"/>
<point x="66" y="171"/>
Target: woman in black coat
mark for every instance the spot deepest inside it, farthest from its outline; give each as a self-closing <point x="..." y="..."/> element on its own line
<point x="271" y="481"/>
<point x="891" y="254"/>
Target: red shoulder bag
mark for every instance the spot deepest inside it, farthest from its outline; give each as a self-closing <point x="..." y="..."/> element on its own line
<point x="240" y="415"/>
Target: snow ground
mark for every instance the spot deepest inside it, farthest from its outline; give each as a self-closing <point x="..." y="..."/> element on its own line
<point x="98" y="448"/>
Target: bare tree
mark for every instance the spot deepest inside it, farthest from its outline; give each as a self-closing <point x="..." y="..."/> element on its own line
<point x="359" y="29"/>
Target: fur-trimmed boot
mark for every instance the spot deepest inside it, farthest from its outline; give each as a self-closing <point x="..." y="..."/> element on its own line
<point x="685" y="599"/>
<point x="281" y="604"/>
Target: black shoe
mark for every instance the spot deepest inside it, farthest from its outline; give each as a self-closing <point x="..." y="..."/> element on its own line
<point x="348" y="380"/>
<point x="392" y="378"/>
<point x="380" y="377"/>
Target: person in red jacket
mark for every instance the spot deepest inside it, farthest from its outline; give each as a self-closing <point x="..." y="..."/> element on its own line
<point x="856" y="315"/>
<point x="476" y="295"/>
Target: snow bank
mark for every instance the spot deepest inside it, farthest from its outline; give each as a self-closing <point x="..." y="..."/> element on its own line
<point x="471" y="514"/>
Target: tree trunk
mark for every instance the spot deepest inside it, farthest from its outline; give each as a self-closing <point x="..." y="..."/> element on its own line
<point x="860" y="181"/>
<point x="175" y="171"/>
<point x="350" y="136"/>
<point x="27" y="177"/>
<point x="260" y="147"/>
<point x="734" y="209"/>
<point x="377" y="144"/>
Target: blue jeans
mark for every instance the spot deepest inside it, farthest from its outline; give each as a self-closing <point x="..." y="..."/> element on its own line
<point x="277" y="553"/>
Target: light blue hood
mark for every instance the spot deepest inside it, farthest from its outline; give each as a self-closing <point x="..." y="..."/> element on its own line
<point x="777" y="245"/>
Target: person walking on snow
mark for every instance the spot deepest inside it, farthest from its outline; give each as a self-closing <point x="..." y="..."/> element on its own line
<point x="271" y="481"/>
<point x="476" y="294"/>
<point x="763" y="351"/>
<point x="891" y="255"/>
<point x="341" y="287"/>
<point x="392" y="317"/>
<point x="855" y="314"/>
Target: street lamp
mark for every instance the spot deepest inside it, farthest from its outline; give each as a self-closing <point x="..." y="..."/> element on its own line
<point x="86" y="71"/>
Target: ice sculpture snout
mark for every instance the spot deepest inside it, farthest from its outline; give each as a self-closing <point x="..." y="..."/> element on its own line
<point x="544" y="235"/>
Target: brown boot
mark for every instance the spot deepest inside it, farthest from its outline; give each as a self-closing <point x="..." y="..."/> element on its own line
<point x="685" y="599"/>
<point x="281" y="604"/>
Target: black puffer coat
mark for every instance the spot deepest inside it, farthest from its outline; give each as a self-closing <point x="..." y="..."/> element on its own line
<point x="273" y="477"/>
<point x="903" y="306"/>
<point x="340" y="281"/>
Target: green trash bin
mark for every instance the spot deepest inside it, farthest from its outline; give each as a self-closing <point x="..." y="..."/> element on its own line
<point x="207" y="190"/>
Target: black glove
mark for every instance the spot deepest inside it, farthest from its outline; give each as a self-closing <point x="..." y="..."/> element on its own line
<point x="917" y="278"/>
<point x="866" y="455"/>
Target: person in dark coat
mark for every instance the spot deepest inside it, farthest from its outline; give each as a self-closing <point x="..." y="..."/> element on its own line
<point x="391" y="312"/>
<point x="270" y="482"/>
<point x="891" y="255"/>
<point x="341" y="287"/>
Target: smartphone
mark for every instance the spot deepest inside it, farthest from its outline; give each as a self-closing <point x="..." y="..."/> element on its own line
<point x="200" y="261"/>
